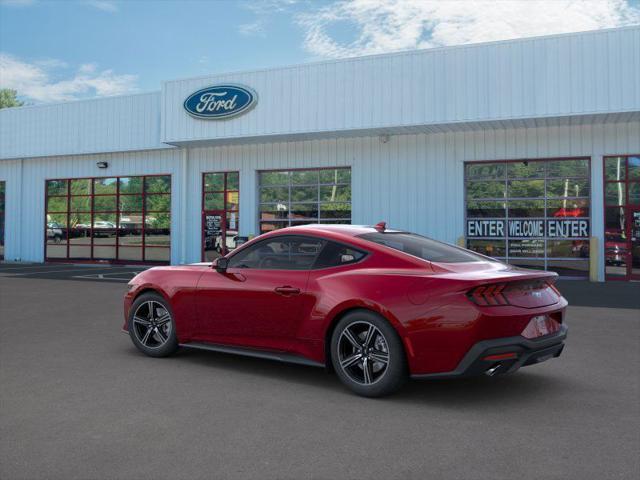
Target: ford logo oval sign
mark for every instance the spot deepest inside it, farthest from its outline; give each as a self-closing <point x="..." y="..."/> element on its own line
<point x="220" y="101"/>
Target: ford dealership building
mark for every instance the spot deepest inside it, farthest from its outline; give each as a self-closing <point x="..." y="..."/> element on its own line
<point x="526" y="150"/>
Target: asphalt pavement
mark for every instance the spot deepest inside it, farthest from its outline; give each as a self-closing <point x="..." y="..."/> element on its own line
<point x="77" y="401"/>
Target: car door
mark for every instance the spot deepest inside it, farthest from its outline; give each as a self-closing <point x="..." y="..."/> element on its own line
<point x="258" y="301"/>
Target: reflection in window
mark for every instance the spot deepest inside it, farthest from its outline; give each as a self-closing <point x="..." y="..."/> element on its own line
<point x="524" y="194"/>
<point x="488" y="189"/>
<point x="568" y="248"/>
<point x="634" y="193"/>
<point x="633" y="168"/>
<point x="220" y="218"/>
<point x="614" y="193"/>
<point x="525" y="188"/>
<point x="486" y="171"/>
<point x="526" y="169"/>
<point x="621" y="198"/>
<point x="526" y="208"/>
<point x="526" y="248"/>
<point x="568" y="188"/>
<point x="109" y="219"/>
<point x="615" y="168"/>
<point x="490" y="248"/>
<point x="301" y="197"/>
<point x="476" y="209"/>
<point x="574" y="207"/>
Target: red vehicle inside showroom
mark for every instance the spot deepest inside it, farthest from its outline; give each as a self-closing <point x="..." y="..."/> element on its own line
<point x="372" y="304"/>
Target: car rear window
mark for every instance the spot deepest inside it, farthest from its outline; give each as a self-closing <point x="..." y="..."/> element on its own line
<point x="422" y="247"/>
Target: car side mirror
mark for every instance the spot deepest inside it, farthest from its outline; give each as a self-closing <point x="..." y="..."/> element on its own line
<point x="221" y="264"/>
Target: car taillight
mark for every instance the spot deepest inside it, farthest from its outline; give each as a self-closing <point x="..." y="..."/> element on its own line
<point x="552" y="286"/>
<point x="489" y="295"/>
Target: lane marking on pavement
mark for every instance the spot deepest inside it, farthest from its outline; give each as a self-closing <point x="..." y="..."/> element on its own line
<point x="119" y="276"/>
<point x="48" y="272"/>
<point x="26" y="268"/>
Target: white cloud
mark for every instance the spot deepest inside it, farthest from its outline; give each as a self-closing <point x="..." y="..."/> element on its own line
<point x="264" y="10"/>
<point x="252" y="29"/>
<point x="36" y="81"/>
<point x="104" y="5"/>
<point x="51" y="63"/>
<point x="389" y="25"/>
<point x="269" y="6"/>
<point x="87" y="68"/>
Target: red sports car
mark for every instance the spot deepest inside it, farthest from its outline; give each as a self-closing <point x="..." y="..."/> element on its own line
<point x="374" y="305"/>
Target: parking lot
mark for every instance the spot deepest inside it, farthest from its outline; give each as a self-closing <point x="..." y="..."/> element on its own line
<point x="77" y="401"/>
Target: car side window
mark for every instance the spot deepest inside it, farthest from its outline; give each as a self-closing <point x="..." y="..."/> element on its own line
<point x="335" y="254"/>
<point x="279" y="253"/>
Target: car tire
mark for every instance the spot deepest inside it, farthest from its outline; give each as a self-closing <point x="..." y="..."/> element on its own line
<point x="155" y="334"/>
<point x="360" y="344"/>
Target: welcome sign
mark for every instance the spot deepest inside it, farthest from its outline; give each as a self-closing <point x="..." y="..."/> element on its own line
<point x="528" y="228"/>
<point x="219" y="102"/>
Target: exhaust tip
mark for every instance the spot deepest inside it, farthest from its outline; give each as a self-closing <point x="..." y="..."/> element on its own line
<point x="490" y="372"/>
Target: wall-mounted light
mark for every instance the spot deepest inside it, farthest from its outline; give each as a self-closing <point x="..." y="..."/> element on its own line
<point x="102" y="164"/>
<point x="384" y="138"/>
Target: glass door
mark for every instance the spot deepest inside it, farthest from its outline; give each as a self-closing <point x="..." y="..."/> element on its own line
<point x="634" y="240"/>
<point x="214" y="234"/>
<point x="622" y="217"/>
<point x="220" y="209"/>
<point x="2" y="208"/>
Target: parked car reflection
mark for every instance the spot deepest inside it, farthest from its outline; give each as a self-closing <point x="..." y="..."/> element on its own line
<point x="54" y="232"/>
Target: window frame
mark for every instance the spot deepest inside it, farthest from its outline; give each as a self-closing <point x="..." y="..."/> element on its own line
<point x="3" y="216"/>
<point x="318" y="218"/>
<point x="627" y="207"/>
<point x="226" y="210"/>
<point x="117" y="213"/>
<point x="506" y="199"/>
<point x="277" y="238"/>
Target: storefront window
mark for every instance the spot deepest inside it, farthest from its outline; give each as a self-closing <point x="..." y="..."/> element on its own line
<point x="531" y="213"/>
<point x="300" y="197"/>
<point x="109" y="219"/>
<point x="2" y="210"/>
<point x="220" y="214"/>
<point x="622" y="217"/>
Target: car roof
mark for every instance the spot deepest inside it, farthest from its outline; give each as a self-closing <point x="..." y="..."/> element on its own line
<point x="339" y="232"/>
<point x="333" y="230"/>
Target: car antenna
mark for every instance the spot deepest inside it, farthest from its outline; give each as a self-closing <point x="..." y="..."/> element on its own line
<point x="381" y="226"/>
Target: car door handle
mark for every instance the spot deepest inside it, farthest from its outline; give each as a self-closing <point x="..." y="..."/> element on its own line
<point x="287" y="290"/>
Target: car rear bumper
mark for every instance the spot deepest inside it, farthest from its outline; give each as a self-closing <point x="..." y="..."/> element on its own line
<point x="525" y="352"/>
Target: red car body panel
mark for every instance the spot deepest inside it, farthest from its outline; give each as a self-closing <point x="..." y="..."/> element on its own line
<point x="427" y="303"/>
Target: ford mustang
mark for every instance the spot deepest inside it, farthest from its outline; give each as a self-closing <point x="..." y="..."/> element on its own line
<point x="374" y="305"/>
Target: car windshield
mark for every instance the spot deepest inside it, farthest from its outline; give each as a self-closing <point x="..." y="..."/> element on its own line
<point x="422" y="247"/>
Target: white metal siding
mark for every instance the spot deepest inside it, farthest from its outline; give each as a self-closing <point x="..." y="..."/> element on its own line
<point x="91" y="126"/>
<point x="414" y="182"/>
<point x="25" y="202"/>
<point x="11" y="174"/>
<point x="547" y="77"/>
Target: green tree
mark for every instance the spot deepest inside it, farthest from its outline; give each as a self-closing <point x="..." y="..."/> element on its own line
<point x="8" y="98"/>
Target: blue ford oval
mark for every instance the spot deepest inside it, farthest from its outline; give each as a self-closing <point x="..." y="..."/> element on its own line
<point x="220" y="101"/>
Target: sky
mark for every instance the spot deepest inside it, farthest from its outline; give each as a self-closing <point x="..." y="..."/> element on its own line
<point x="59" y="50"/>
